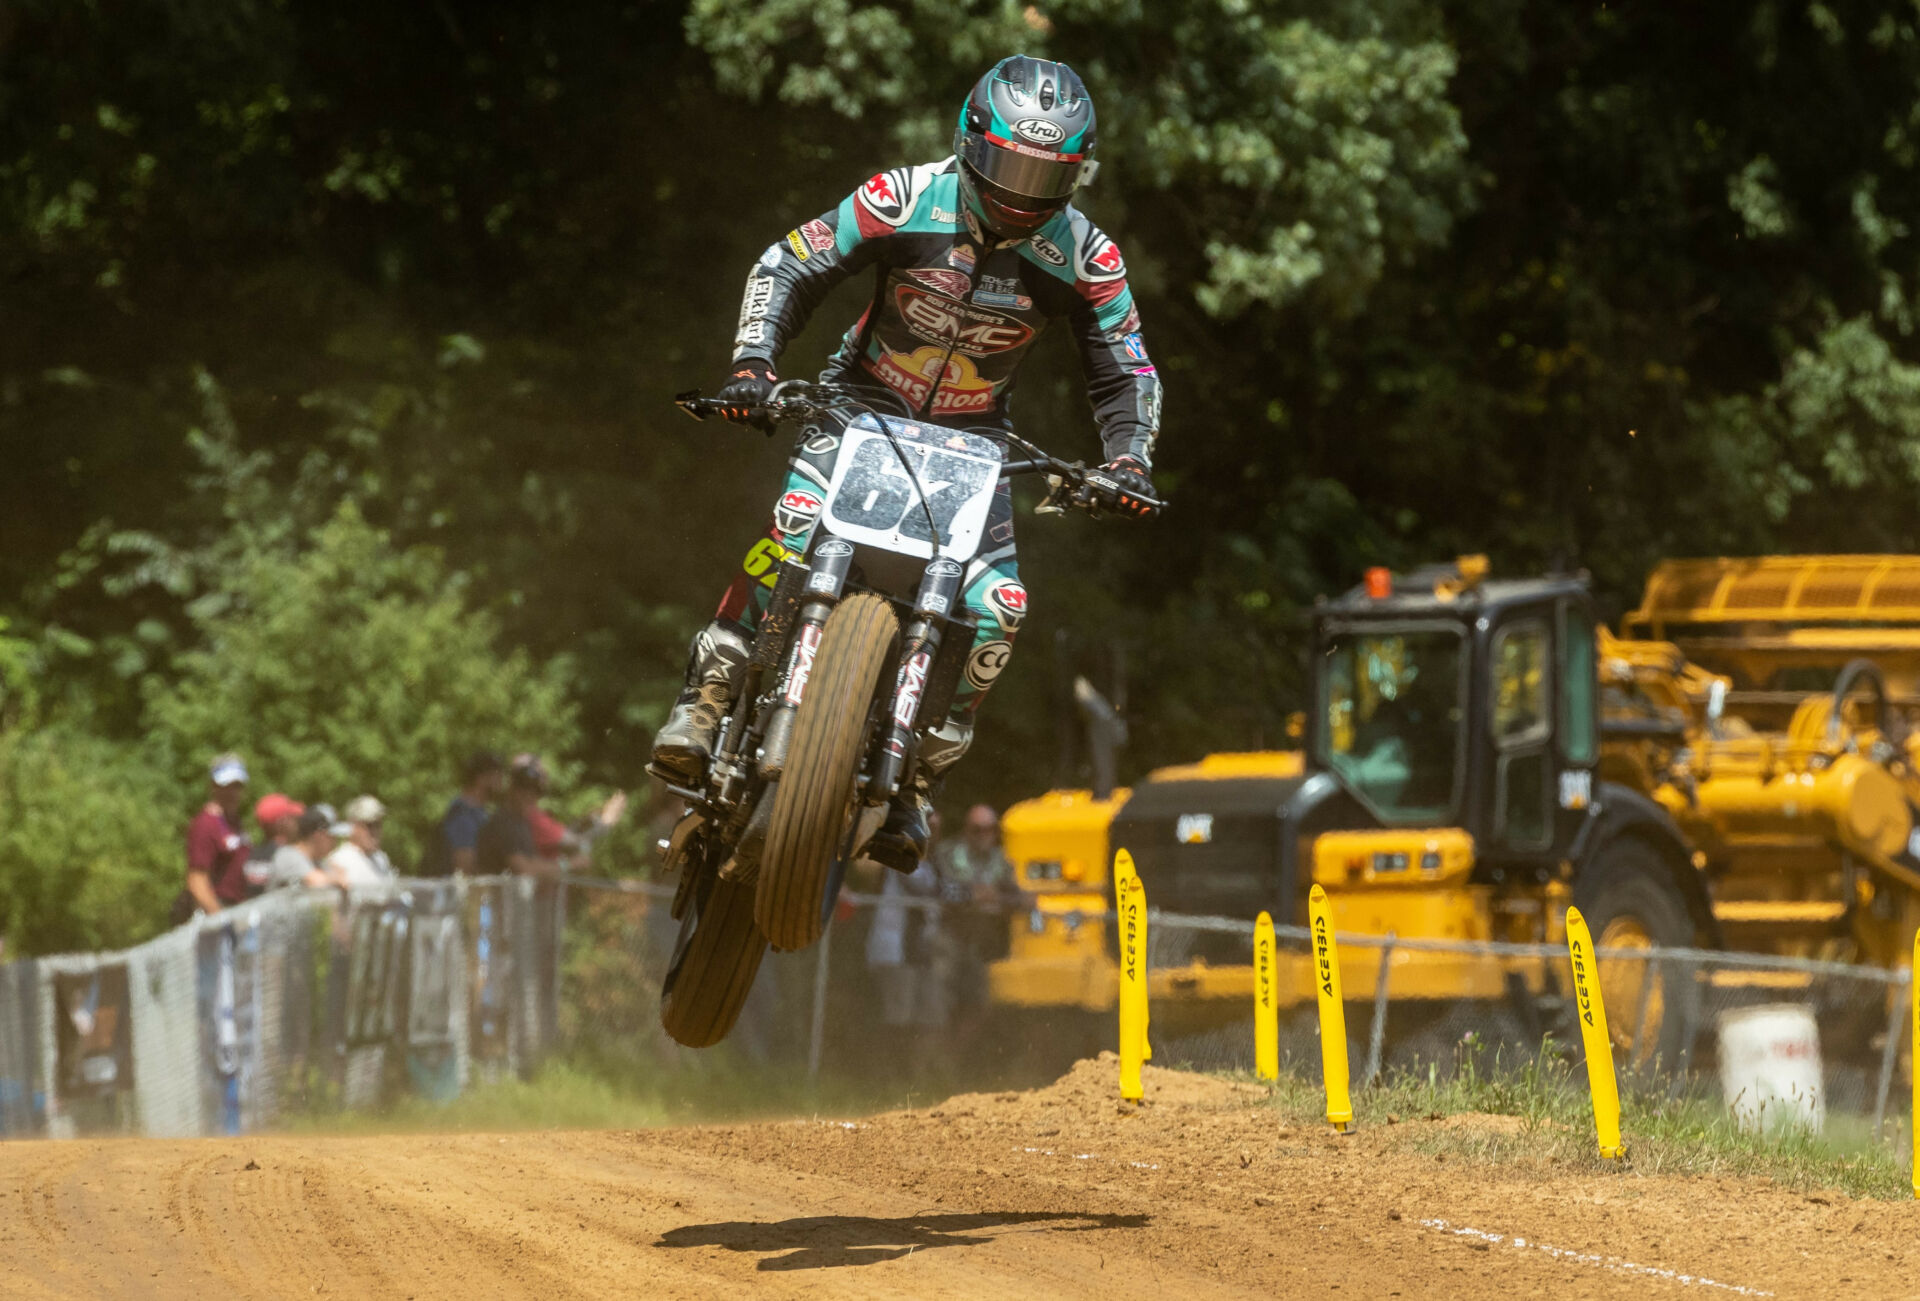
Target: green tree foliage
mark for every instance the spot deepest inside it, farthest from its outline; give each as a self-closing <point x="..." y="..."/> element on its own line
<point x="1575" y="284"/>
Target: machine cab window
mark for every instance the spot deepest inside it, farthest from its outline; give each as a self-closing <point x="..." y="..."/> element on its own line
<point x="1391" y="708"/>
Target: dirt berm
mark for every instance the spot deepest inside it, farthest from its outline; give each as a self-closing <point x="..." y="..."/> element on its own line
<point x="1060" y="1192"/>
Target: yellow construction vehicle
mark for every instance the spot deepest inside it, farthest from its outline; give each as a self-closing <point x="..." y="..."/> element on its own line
<point x="1736" y="771"/>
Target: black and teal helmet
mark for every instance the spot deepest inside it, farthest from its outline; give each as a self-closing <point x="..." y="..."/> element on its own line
<point x="1024" y="142"/>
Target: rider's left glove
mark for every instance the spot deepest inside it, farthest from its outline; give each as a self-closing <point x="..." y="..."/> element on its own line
<point x="748" y="387"/>
<point x="1137" y="497"/>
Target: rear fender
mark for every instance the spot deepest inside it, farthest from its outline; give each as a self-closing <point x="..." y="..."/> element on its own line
<point x="1620" y="812"/>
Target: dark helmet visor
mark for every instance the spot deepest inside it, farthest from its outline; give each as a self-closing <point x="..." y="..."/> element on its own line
<point x="1020" y="168"/>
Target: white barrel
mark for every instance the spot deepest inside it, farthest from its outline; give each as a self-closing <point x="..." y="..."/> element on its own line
<point x="1770" y="1067"/>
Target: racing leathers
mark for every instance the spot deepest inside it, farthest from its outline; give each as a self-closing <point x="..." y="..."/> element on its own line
<point x="952" y="312"/>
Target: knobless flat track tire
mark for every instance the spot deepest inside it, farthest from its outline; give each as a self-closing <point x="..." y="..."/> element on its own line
<point x="704" y="993"/>
<point x="815" y="794"/>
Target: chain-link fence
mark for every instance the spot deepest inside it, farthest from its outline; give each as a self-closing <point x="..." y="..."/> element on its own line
<point x="304" y="1003"/>
<point x="1831" y="1036"/>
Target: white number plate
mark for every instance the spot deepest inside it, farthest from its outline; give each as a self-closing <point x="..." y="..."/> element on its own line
<point x="874" y="501"/>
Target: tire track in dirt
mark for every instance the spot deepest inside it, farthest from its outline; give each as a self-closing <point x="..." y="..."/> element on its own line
<point x="1058" y="1192"/>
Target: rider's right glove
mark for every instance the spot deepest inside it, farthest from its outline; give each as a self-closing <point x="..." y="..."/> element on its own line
<point x="752" y="380"/>
<point x="1136" y="487"/>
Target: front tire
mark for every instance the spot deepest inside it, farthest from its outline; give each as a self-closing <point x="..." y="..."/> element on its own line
<point x="714" y="962"/>
<point x="1630" y="901"/>
<point x="815" y="794"/>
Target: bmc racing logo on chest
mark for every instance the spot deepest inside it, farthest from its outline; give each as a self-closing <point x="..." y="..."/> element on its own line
<point x="1100" y="260"/>
<point x="889" y="196"/>
<point x="954" y="284"/>
<point x="967" y="329"/>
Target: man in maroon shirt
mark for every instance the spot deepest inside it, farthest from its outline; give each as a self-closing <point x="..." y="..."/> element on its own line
<point x="216" y="846"/>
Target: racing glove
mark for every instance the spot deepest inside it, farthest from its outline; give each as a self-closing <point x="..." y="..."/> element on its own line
<point x="752" y="380"/>
<point x="1136" y="495"/>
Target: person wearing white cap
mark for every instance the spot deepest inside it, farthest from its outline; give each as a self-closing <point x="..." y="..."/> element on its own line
<point x="358" y="861"/>
<point x="217" y="847"/>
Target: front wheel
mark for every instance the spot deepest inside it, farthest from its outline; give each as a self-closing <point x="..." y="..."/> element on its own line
<point x="714" y="961"/>
<point x="815" y="796"/>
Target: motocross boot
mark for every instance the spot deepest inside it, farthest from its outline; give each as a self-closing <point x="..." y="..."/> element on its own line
<point x="901" y="841"/>
<point x="716" y="662"/>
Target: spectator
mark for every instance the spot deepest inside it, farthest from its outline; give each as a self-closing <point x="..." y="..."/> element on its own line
<point x="975" y="873"/>
<point x="216" y="846"/>
<point x="455" y="841"/>
<point x="506" y="843"/>
<point x="552" y="839"/>
<point x="358" y="862"/>
<point x="279" y="819"/>
<point x="298" y="862"/>
<point x="909" y="955"/>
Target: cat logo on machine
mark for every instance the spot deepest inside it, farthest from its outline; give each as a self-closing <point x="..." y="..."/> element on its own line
<point x="967" y="330"/>
<point x="987" y="662"/>
<point x="1194" y="829"/>
<point x="796" y="512"/>
<point x="1008" y="601"/>
<point x="1039" y="130"/>
<point x="1047" y="251"/>
<point x="953" y="284"/>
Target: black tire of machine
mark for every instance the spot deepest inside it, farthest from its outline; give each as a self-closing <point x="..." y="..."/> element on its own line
<point x="815" y="797"/>
<point x="1630" y="881"/>
<point x="714" y="961"/>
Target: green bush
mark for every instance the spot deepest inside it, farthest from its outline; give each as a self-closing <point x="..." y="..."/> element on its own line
<point x="351" y="666"/>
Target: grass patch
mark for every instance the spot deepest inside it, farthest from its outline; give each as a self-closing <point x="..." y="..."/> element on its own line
<point x="1686" y="1134"/>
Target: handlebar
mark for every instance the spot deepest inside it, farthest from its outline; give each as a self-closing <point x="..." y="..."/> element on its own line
<point x="1074" y="483"/>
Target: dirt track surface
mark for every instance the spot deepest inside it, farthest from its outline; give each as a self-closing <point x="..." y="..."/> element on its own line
<point x="1059" y="1192"/>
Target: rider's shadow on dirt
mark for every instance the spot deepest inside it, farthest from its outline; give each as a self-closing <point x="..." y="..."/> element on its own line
<point x="835" y="1241"/>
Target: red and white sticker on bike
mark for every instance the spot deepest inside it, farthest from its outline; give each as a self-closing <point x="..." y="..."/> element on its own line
<point x="805" y="647"/>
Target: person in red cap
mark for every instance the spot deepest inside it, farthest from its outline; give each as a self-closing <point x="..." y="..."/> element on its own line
<point x="279" y="819"/>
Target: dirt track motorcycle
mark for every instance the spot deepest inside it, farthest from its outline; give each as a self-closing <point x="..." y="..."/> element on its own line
<point x="859" y="653"/>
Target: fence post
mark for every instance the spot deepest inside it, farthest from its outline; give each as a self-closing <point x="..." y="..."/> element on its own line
<point x="1377" y="1034"/>
<point x="816" y="1039"/>
<point x="1896" y="1030"/>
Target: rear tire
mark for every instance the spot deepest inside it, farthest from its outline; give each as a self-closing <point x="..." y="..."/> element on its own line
<point x="1629" y="900"/>
<point x="714" y="962"/>
<point x="815" y="795"/>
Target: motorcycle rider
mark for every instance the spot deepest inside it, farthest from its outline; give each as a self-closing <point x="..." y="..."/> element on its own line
<point x="972" y="256"/>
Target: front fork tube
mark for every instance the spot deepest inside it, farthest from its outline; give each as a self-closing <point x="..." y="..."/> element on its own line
<point x="921" y="646"/>
<point x="826" y="578"/>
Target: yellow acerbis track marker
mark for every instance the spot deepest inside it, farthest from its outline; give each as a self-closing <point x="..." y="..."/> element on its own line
<point x="1333" y="1012"/>
<point x="1266" y="1008"/>
<point x="1593" y="1030"/>
<point x="1123" y="864"/>
<point x="1130" y="904"/>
